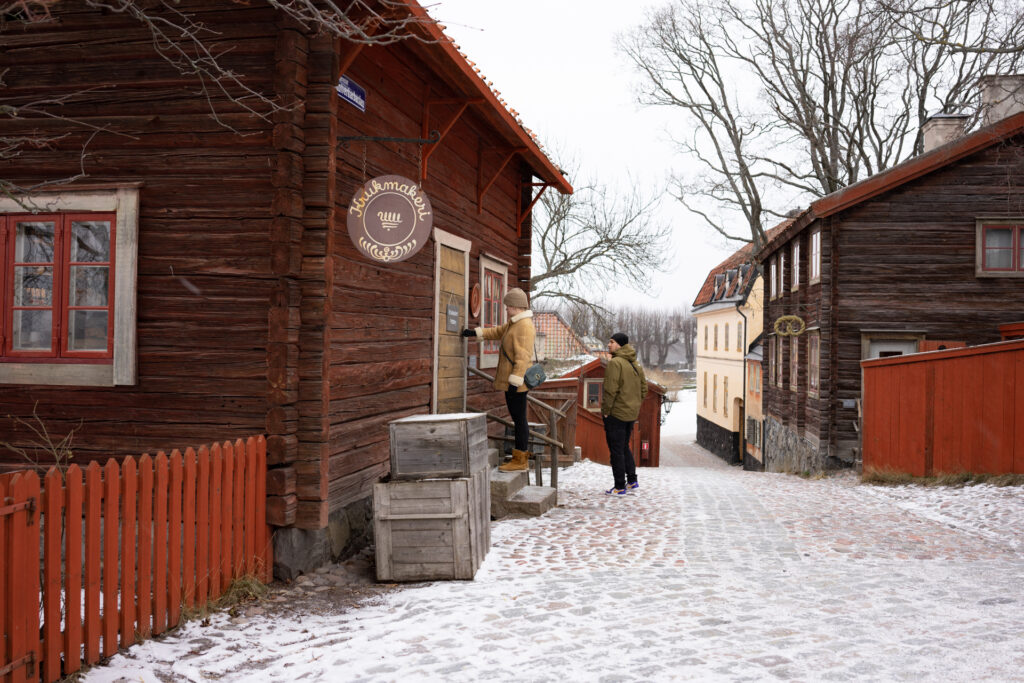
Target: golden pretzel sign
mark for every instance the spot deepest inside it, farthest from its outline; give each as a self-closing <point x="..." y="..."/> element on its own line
<point x="790" y="326"/>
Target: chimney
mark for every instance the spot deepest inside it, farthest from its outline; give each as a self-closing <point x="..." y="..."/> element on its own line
<point x="939" y="129"/>
<point x="1001" y="96"/>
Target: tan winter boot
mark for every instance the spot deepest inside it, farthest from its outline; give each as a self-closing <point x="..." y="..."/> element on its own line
<point x="519" y="461"/>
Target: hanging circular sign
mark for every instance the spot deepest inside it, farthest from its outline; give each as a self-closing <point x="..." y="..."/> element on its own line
<point x="474" y="300"/>
<point x="389" y="218"/>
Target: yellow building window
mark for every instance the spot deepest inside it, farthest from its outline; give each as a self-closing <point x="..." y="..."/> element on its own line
<point x="727" y="336"/>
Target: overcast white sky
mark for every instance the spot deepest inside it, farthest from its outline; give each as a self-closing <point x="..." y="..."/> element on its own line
<point x="556" y="63"/>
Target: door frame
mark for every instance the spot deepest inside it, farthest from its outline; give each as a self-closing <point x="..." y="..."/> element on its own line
<point x="447" y="239"/>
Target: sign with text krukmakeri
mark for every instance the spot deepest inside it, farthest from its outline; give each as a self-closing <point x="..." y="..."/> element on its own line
<point x="389" y="218"/>
<point x="351" y="92"/>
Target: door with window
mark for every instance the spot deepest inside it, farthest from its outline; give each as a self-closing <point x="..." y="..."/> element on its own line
<point x="451" y="293"/>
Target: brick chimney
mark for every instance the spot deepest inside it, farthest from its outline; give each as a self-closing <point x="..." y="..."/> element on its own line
<point x="1001" y="96"/>
<point x="939" y="129"/>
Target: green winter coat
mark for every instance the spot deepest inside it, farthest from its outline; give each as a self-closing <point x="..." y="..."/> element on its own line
<point x="625" y="386"/>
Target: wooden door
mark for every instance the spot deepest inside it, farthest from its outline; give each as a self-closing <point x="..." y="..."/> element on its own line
<point x="451" y="286"/>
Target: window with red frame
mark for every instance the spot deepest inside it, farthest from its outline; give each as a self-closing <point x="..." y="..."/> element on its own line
<point x="492" y="306"/>
<point x="1003" y="248"/>
<point x="58" y="286"/>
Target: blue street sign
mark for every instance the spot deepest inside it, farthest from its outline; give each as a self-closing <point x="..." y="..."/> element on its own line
<point x="352" y="93"/>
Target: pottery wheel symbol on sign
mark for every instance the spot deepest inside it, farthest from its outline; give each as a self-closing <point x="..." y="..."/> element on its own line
<point x="389" y="218"/>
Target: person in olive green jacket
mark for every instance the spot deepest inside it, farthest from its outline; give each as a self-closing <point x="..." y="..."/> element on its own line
<point x="516" y="349"/>
<point x="625" y="387"/>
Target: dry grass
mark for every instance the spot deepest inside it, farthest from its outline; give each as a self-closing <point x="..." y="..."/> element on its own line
<point x="673" y="381"/>
<point x="883" y="477"/>
<point x="243" y="589"/>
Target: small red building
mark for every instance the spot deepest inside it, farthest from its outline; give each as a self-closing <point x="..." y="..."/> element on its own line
<point x="589" y="379"/>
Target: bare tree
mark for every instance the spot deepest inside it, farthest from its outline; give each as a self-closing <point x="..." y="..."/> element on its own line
<point x="652" y="332"/>
<point x="190" y="48"/>
<point x="844" y="89"/>
<point x="593" y="240"/>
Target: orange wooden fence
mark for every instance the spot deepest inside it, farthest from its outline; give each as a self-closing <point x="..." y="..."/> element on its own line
<point x="87" y="567"/>
<point x="960" y="410"/>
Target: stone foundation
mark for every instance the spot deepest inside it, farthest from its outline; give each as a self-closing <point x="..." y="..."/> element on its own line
<point x="300" y="551"/>
<point x="720" y="441"/>
<point x="786" y="451"/>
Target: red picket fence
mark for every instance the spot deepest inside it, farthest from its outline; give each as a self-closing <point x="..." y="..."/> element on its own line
<point x="90" y="567"/>
<point x="960" y="410"/>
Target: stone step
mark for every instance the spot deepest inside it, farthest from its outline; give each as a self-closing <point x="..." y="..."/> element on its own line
<point x="493" y="457"/>
<point x="504" y="485"/>
<point x="533" y="500"/>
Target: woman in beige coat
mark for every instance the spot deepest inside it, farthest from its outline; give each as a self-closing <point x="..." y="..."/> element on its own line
<point x="517" y="336"/>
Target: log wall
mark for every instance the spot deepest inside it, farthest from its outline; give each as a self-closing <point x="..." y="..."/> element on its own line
<point x="204" y="262"/>
<point x="904" y="260"/>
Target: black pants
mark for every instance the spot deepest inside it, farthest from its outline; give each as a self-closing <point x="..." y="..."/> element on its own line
<point x="617" y="433"/>
<point x="516" y="402"/>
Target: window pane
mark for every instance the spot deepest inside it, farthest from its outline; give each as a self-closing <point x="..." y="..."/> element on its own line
<point x="87" y="331"/>
<point x="33" y="286"/>
<point x="89" y="286"/>
<point x="998" y="238"/>
<point x="33" y="242"/>
<point x="90" y="241"/>
<point x="998" y="258"/>
<point x="32" y="330"/>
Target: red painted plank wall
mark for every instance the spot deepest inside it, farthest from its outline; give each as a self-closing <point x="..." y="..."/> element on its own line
<point x="960" y="410"/>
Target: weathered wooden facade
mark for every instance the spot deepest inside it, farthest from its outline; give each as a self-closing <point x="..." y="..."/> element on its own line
<point x="911" y="258"/>
<point x="240" y="302"/>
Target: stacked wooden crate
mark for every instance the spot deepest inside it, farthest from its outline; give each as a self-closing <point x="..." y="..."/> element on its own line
<point x="432" y="520"/>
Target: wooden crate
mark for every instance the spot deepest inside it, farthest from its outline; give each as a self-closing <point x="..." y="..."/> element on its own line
<point x="434" y="446"/>
<point x="432" y="529"/>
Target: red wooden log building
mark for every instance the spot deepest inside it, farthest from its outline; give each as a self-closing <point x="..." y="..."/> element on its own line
<point x="222" y="293"/>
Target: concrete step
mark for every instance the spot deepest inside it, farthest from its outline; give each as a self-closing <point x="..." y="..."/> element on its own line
<point x="493" y="457"/>
<point x="504" y="485"/>
<point x="532" y="500"/>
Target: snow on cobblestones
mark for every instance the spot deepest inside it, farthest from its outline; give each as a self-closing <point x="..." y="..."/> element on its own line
<point x="706" y="572"/>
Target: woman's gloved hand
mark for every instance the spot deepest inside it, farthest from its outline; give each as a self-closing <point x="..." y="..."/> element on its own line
<point x="468" y="332"/>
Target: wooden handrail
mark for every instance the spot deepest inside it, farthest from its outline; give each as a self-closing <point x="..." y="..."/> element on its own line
<point x="531" y="399"/>
<point x="553" y="415"/>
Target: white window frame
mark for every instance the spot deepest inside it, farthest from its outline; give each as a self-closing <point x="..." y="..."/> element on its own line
<point x="814" y="257"/>
<point x="495" y="265"/>
<point x="795" y="255"/>
<point x="773" y="278"/>
<point x="122" y="200"/>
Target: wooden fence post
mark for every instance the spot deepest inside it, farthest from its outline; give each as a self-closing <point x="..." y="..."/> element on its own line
<point x="216" y="501"/>
<point x="174" y="541"/>
<point x="250" y="506"/>
<point x="238" y="513"/>
<point x="188" y="568"/>
<point x="129" y="489"/>
<point x="203" y="523"/>
<point x="111" y="523"/>
<point x="145" y="582"/>
<point x="73" y="564"/>
<point x="226" y="515"/>
<point x="159" y="596"/>
<point x="93" y="495"/>
<point x="52" y="526"/>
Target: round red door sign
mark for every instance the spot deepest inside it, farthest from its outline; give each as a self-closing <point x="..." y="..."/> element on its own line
<point x="389" y="218"/>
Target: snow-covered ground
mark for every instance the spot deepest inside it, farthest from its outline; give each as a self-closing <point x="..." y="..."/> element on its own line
<point x="682" y="419"/>
<point x="707" y="572"/>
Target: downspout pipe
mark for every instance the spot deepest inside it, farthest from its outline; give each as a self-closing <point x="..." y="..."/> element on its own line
<point x="743" y="368"/>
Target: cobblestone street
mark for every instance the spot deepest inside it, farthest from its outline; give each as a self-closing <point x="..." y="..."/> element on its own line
<point x="706" y="573"/>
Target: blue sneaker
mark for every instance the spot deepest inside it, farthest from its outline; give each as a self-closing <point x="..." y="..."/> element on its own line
<point x="633" y="485"/>
<point x="615" y="492"/>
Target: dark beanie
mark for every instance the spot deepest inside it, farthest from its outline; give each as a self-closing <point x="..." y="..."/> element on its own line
<point x="620" y="338"/>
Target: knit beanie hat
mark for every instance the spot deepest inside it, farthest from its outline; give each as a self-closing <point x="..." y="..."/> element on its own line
<point x="517" y="298"/>
<point x="620" y="338"/>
